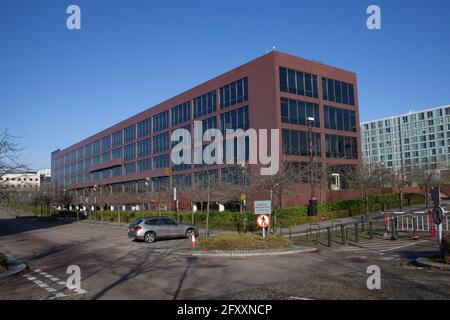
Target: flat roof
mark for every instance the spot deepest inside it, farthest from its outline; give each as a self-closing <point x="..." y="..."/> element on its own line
<point x="406" y="114"/>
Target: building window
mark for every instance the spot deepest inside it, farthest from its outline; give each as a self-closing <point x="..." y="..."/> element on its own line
<point x="205" y="104"/>
<point x="161" y="121"/>
<point x="106" y="156"/>
<point x="129" y="152"/>
<point x="295" y="143"/>
<point x="116" y="171"/>
<point x="341" y="147"/>
<point x="96" y="147"/>
<point x="106" y="143"/>
<point x="130" y="168"/>
<point x="182" y="181"/>
<point x="143" y="148"/>
<point x="236" y="119"/>
<point x="181" y="113"/>
<point x="117" y="153"/>
<point x="161" y="162"/>
<point x="339" y="119"/>
<point x="143" y="128"/>
<point x="234" y="93"/>
<point x="116" y="139"/>
<point x="297" y="112"/>
<point x="129" y="133"/>
<point x="209" y="123"/>
<point x="338" y="91"/>
<point x="161" y="143"/>
<point x="80" y="154"/>
<point x="144" y="165"/>
<point x="298" y="82"/>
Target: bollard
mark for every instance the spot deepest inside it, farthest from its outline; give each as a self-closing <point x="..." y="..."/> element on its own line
<point x="362" y="224"/>
<point x="342" y="234"/>
<point x="370" y="230"/>
<point x="356" y="232"/>
<point x="393" y="228"/>
<point x="329" y="236"/>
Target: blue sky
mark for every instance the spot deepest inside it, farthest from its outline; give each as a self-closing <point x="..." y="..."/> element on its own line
<point x="59" y="86"/>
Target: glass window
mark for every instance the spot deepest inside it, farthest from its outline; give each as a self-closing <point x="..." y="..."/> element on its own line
<point x="161" y="121"/>
<point x="143" y="128"/>
<point x="129" y="133"/>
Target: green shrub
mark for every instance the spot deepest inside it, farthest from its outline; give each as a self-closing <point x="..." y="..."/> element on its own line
<point x="284" y="217"/>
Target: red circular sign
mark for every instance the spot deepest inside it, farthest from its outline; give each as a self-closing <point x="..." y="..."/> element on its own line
<point x="263" y="221"/>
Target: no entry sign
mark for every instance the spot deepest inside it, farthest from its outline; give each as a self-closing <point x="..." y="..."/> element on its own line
<point x="263" y="221"/>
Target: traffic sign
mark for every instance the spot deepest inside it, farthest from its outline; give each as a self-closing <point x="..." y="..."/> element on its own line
<point x="243" y="197"/>
<point x="438" y="215"/>
<point x="263" y="207"/>
<point x="263" y="221"/>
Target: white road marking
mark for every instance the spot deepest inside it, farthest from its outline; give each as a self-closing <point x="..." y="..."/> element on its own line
<point x="406" y="245"/>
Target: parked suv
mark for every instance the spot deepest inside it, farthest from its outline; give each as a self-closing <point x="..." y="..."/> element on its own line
<point x="153" y="228"/>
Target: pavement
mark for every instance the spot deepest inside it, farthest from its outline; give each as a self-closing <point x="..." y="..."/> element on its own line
<point x="113" y="267"/>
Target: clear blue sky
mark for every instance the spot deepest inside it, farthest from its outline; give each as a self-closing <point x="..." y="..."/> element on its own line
<point x="59" y="86"/>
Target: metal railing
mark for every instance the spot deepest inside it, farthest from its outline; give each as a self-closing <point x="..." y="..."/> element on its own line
<point x="419" y="221"/>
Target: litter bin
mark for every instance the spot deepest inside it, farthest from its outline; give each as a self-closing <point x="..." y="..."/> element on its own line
<point x="312" y="207"/>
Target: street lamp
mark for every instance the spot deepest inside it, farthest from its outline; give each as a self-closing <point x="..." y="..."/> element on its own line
<point x="147" y="184"/>
<point x="312" y="208"/>
<point x="243" y="197"/>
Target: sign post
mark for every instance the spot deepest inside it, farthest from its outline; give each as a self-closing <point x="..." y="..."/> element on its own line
<point x="438" y="216"/>
<point x="264" y="222"/>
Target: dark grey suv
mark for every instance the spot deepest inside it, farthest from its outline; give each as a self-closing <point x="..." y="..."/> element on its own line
<point x="153" y="228"/>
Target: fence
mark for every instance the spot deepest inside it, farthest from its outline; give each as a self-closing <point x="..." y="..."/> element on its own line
<point x="419" y="221"/>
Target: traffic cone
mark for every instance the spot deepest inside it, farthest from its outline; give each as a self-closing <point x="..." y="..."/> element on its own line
<point x="194" y="243"/>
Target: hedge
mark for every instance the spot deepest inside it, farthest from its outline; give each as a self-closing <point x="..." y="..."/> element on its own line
<point x="285" y="217"/>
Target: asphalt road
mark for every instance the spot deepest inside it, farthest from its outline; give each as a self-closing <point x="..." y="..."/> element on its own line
<point x="113" y="267"/>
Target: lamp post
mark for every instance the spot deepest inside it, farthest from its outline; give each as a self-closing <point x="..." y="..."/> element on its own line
<point x="312" y="208"/>
<point x="243" y="197"/>
<point x="147" y="184"/>
<point x="382" y="186"/>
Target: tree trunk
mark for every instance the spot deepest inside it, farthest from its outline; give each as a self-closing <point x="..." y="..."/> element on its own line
<point x="366" y="200"/>
<point x="401" y="199"/>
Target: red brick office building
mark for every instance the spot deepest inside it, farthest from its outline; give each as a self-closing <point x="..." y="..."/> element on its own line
<point x="276" y="90"/>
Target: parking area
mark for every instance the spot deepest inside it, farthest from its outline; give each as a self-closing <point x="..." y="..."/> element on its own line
<point x="114" y="267"/>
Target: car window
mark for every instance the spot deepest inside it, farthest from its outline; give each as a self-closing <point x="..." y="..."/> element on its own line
<point x="169" y="221"/>
<point x="136" y="221"/>
<point x="151" y="221"/>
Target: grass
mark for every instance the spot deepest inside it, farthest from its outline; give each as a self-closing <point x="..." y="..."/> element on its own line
<point x="246" y="241"/>
<point x="3" y="262"/>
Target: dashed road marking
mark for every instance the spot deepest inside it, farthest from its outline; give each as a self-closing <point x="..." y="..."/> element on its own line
<point x="55" y="293"/>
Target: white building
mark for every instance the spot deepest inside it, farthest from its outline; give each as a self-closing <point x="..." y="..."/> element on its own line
<point x="415" y="138"/>
<point x="25" y="179"/>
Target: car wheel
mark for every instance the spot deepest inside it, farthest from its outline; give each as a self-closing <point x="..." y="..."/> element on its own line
<point x="150" y="237"/>
<point x="189" y="233"/>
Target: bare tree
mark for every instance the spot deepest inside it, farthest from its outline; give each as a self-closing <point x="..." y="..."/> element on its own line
<point x="400" y="180"/>
<point x="279" y="183"/>
<point x="363" y="178"/>
<point x="10" y="162"/>
<point x="427" y="178"/>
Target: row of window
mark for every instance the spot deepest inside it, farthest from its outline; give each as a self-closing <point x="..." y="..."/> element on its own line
<point x="339" y="119"/>
<point x="234" y="93"/>
<point x="338" y="91"/>
<point x="296" y="143"/>
<point x="341" y="147"/>
<point x="181" y="113"/>
<point x="298" y="112"/>
<point x="205" y="104"/>
<point x="297" y="82"/>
